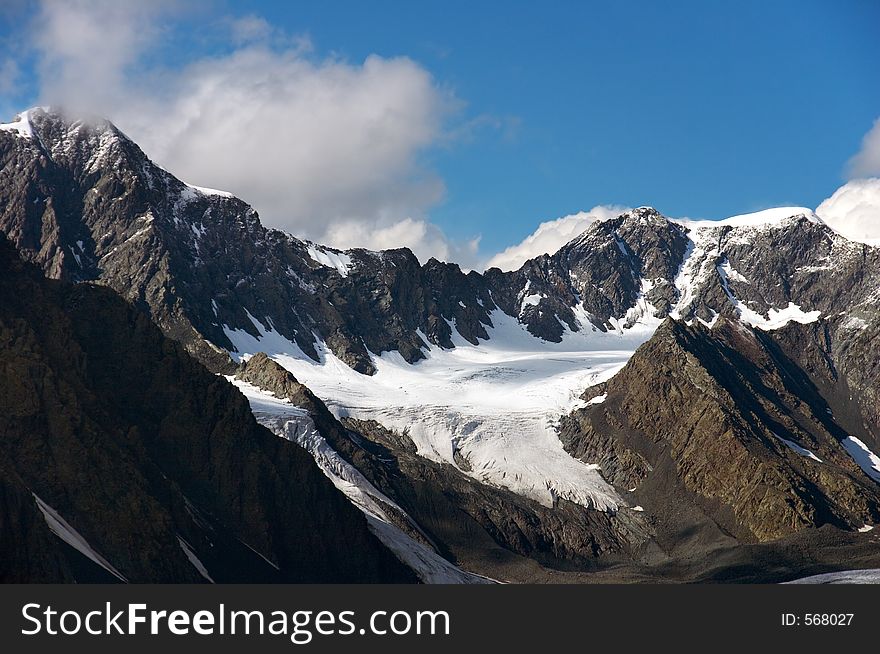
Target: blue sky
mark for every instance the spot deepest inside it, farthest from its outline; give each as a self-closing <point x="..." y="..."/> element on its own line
<point x="702" y="109"/>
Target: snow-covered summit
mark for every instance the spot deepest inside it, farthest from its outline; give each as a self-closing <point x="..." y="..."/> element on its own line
<point x="766" y="218"/>
<point x="204" y="190"/>
<point x="26" y="123"/>
<point x="643" y="214"/>
<point x="21" y="123"/>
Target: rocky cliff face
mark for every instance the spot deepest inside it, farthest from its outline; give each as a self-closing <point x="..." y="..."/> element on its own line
<point x="729" y="417"/>
<point x="84" y="202"/>
<point x="113" y="437"/>
<point x="600" y="280"/>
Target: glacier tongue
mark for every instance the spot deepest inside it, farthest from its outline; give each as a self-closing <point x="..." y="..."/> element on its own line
<point x="490" y="410"/>
<point x="290" y="422"/>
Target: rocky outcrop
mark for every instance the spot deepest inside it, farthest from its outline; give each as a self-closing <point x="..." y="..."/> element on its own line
<point x="726" y="415"/>
<point x="603" y="273"/>
<point x="149" y="458"/>
<point x="83" y="202"/>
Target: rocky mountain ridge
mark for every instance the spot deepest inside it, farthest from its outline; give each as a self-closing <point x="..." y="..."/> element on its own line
<point x="123" y="459"/>
<point x="85" y="203"/>
<point x="758" y="340"/>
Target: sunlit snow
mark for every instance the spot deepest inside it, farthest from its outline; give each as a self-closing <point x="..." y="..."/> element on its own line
<point x="495" y="405"/>
<point x="492" y="409"/>
<point x="331" y="259"/>
<point x="765" y="218"/>
<point x="210" y="191"/>
<point x="21" y="126"/>
<point x="863" y="456"/>
<point x="294" y="423"/>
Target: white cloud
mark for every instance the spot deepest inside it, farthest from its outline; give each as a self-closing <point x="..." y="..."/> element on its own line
<point x="425" y="239"/>
<point x="854" y="210"/>
<point x="307" y="143"/>
<point x="250" y="28"/>
<point x="866" y="162"/>
<point x="87" y="48"/>
<point x="324" y="148"/>
<point x="551" y="235"/>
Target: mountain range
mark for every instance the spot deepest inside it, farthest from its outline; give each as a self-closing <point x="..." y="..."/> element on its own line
<point x="189" y="395"/>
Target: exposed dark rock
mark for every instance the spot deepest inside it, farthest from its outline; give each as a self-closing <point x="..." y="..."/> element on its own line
<point x="713" y="404"/>
<point x="137" y="445"/>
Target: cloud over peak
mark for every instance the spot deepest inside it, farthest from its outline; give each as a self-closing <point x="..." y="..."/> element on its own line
<point x="552" y="235"/>
<point x="853" y="211"/>
<point x="866" y="162"/>
<point x="327" y="149"/>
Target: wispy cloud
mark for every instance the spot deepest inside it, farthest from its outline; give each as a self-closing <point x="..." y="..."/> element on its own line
<point x="866" y="163"/>
<point x="9" y="72"/>
<point x="325" y="148"/>
<point x="550" y="236"/>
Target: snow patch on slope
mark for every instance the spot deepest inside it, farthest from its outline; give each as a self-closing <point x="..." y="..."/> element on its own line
<point x="294" y="423"/>
<point x="776" y="318"/>
<point x="729" y="273"/>
<point x="330" y="259"/>
<point x="194" y="560"/>
<point x="21" y="125"/>
<point x="863" y="456"/>
<point x="529" y="299"/>
<point x="210" y="191"/>
<point x="798" y="449"/>
<point x="846" y="577"/>
<point x="641" y="315"/>
<point x="72" y="537"/>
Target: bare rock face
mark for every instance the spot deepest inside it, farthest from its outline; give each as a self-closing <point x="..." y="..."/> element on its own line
<point x="150" y="458"/>
<point x="737" y="423"/>
<point x="602" y="273"/>
<point x="83" y="202"/>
